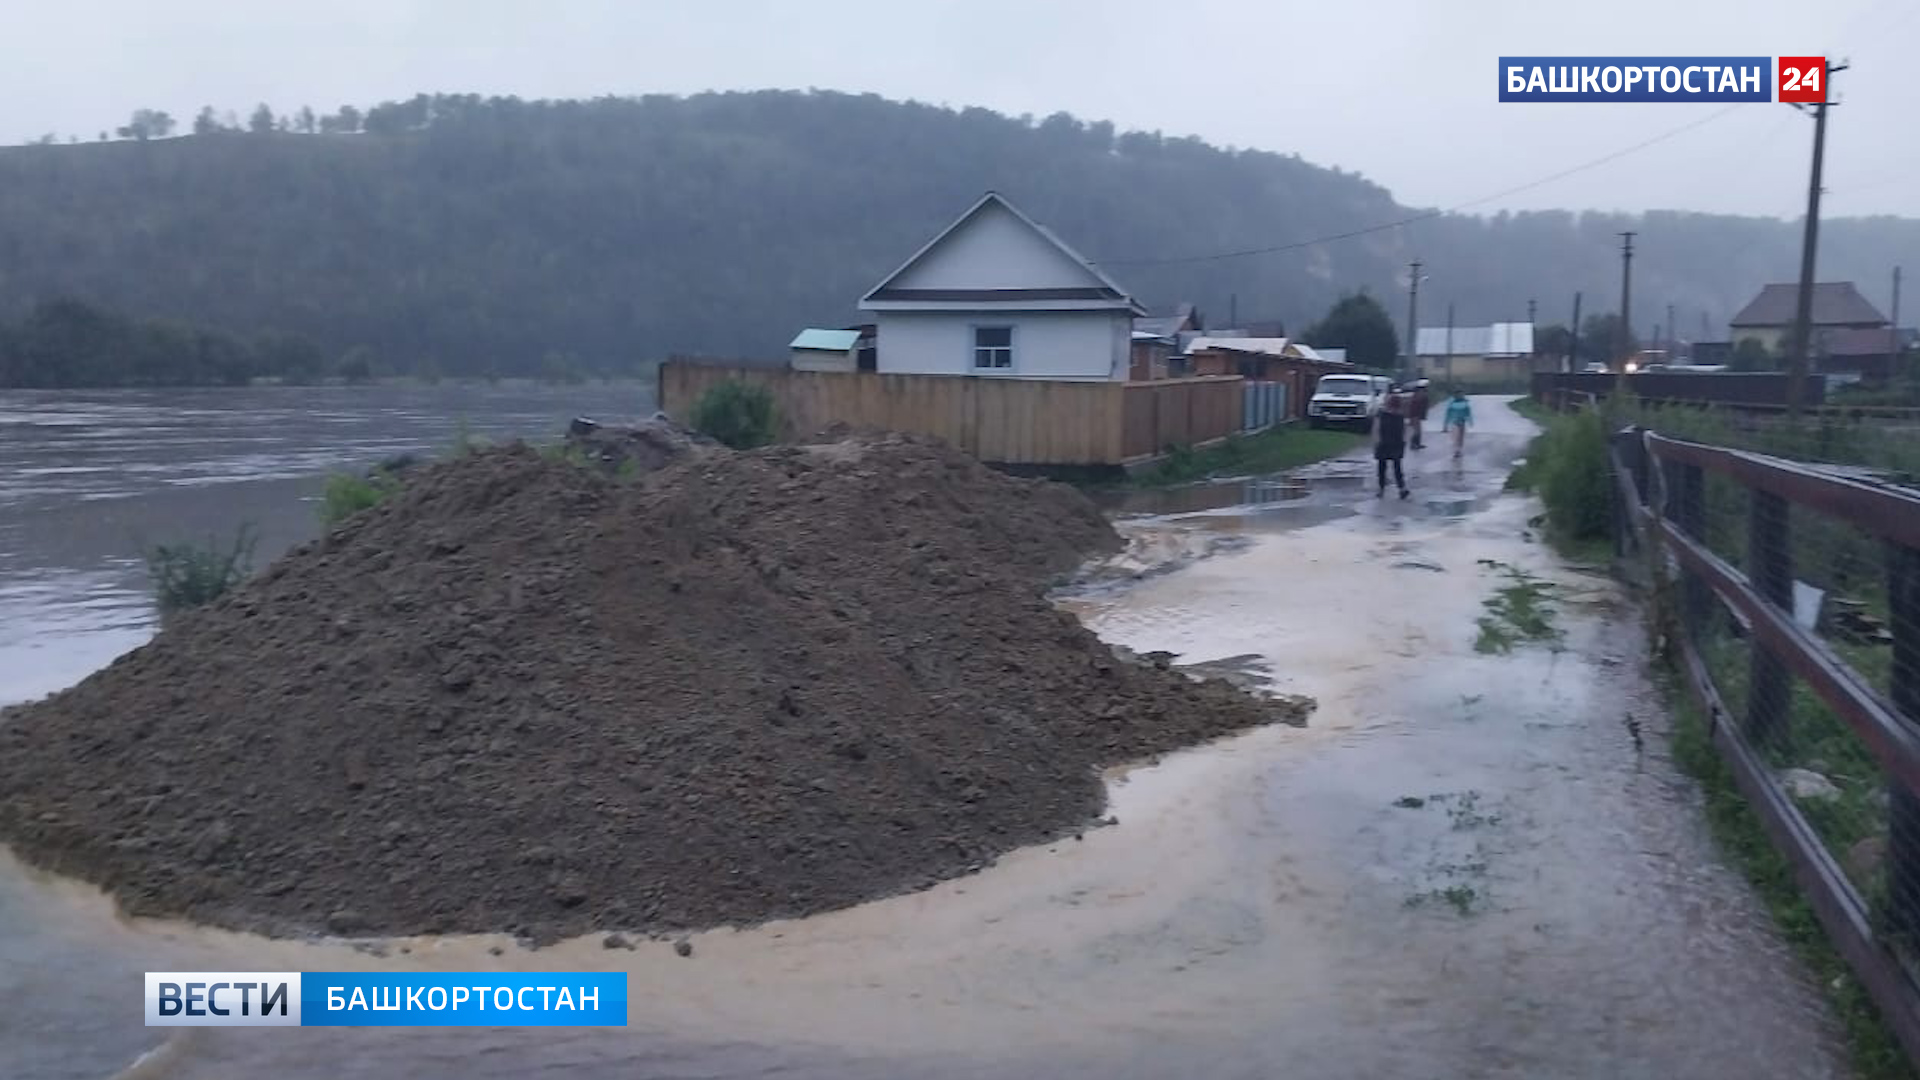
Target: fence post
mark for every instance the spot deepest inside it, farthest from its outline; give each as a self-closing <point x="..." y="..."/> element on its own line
<point x="1903" y="805"/>
<point x="1770" y="570"/>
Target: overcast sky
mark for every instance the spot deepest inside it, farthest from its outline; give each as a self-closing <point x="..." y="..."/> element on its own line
<point x="1403" y="91"/>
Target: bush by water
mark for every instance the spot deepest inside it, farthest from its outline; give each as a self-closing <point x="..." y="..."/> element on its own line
<point x="189" y="575"/>
<point x="738" y="414"/>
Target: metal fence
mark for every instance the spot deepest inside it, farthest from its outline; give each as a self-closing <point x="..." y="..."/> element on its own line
<point x="1787" y="586"/>
<point x="1263" y="404"/>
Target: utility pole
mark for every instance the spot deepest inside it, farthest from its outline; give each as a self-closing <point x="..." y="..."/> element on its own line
<point x="1626" y="297"/>
<point x="1803" y="309"/>
<point x="1573" y="344"/>
<point x="1673" y="334"/>
<point x="1413" y="315"/>
<point x="1533" y="355"/>
<point x="1449" y="344"/>
<point x="1896" y="300"/>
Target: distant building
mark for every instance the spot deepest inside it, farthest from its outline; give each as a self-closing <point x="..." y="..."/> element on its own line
<point x="1837" y="305"/>
<point x="826" y="350"/>
<point x="1501" y="350"/>
<point x="995" y="294"/>
<point x="1869" y="355"/>
<point x="1156" y="343"/>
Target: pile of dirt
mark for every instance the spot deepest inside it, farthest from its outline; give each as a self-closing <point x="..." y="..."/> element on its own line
<point x="523" y="696"/>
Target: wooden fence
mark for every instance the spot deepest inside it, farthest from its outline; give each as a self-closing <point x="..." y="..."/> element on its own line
<point x="1731" y="534"/>
<point x="999" y="420"/>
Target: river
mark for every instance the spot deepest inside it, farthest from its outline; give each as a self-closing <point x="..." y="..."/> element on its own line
<point x="89" y="481"/>
<point x="1467" y="865"/>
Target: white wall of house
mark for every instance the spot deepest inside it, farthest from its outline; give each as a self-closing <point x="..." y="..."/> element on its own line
<point x="1046" y="344"/>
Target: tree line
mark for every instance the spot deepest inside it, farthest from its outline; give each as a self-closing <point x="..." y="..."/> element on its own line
<point x="466" y="235"/>
<point x="72" y="344"/>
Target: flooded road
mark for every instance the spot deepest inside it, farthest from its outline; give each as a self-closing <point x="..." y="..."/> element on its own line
<point x="1467" y="865"/>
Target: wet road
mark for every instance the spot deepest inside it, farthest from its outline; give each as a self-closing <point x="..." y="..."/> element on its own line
<point x="1466" y="866"/>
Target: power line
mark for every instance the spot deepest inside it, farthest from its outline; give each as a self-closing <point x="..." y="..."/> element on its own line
<point x="1426" y="215"/>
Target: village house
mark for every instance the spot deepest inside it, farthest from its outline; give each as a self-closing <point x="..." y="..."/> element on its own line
<point x="1497" y="351"/>
<point x="1156" y="344"/>
<point x="1837" y="306"/>
<point x="997" y="295"/>
<point x="1270" y="360"/>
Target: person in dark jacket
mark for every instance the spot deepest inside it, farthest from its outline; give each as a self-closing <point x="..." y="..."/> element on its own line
<point x="1390" y="441"/>
<point x="1417" y="405"/>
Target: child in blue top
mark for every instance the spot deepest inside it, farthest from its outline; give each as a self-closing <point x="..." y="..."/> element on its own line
<point x="1459" y="417"/>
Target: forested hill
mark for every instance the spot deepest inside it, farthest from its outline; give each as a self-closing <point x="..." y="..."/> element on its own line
<point x="469" y="235"/>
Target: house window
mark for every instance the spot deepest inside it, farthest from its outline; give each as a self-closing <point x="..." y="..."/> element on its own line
<point x="993" y="347"/>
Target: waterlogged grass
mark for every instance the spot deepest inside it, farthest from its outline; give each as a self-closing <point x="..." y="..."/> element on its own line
<point x="1874" y="1051"/>
<point x="1274" y="450"/>
<point x="347" y="494"/>
<point x="189" y="575"/>
<point x="1521" y="612"/>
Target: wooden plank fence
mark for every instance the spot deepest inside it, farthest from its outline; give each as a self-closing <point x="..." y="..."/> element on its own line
<point x="1000" y="420"/>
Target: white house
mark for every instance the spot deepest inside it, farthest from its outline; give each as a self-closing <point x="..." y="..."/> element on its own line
<point x="996" y="294"/>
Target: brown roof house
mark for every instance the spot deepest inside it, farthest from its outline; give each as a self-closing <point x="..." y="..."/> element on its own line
<point x="1837" y="306"/>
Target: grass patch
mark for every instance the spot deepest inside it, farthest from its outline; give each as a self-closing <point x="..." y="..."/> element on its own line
<point x="1273" y="450"/>
<point x="347" y="494"/>
<point x="1532" y="410"/>
<point x="1875" y="1053"/>
<point x="189" y="575"/>
<point x="1518" y="613"/>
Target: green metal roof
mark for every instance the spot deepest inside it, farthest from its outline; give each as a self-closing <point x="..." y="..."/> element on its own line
<point x="829" y="340"/>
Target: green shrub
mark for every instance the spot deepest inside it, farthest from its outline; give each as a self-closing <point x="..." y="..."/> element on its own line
<point x="346" y="494"/>
<point x="189" y="575"/>
<point x="1567" y="467"/>
<point x="738" y="414"/>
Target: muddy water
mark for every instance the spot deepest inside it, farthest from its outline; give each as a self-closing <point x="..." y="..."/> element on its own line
<point x="1275" y="904"/>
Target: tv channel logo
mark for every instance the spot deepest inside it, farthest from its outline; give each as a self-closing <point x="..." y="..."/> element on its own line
<point x="385" y="999"/>
<point x="223" y="999"/>
<point x="1640" y="78"/>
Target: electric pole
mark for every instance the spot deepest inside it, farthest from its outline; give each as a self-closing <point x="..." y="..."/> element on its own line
<point x="1896" y="300"/>
<point x="1413" y="314"/>
<point x="1449" y="348"/>
<point x="1673" y="335"/>
<point x="1625" y="345"/>
<point x="1803" y="309"/>
<point x="1533" y="354"/>
<point x="1573" y="343"/>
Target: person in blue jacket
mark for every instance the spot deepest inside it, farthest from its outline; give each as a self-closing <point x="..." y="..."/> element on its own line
<point x="1458" y="419"/>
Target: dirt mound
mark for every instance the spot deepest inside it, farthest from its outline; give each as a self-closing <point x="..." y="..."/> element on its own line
<point x="522" y="696"/>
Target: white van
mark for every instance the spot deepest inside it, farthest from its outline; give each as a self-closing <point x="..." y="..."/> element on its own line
<point x="1346" y="399"/>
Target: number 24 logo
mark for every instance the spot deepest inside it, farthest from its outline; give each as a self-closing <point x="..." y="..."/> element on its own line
<point x="1801" y="79"/>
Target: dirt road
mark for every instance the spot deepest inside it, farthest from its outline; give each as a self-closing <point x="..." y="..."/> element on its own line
<point x="1468" y="865"/>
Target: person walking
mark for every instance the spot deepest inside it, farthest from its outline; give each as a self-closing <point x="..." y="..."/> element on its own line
<point x="1417" y="405"/>
<point x="1390" y="441"/>
<point x="1458" y="419"/>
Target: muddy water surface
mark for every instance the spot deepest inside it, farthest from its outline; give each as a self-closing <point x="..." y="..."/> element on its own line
<point x="1467" y="865"/>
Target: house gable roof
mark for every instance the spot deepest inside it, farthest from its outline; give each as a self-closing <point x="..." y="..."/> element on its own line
<point x="995" y="254"/>
<point x="1835" y="303"/>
